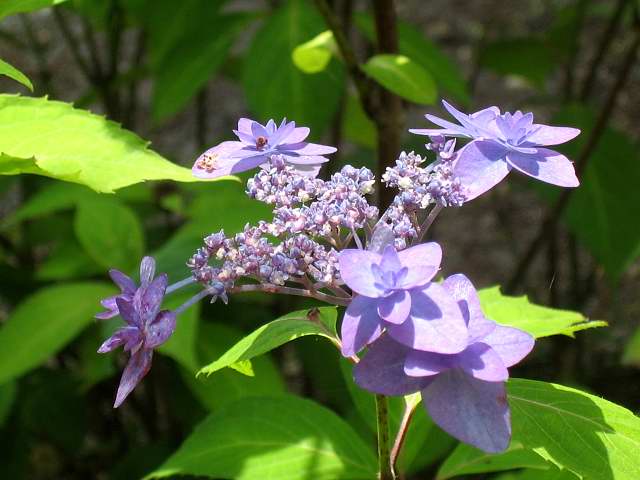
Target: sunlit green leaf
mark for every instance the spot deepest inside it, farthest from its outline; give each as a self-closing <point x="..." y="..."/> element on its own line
<point x="314" y="55"/>
<point x="45" y="322"/>
<point x="12" y="72"/>
<point x="584" y="433"/>
<point x="52" y="138"/>
<point x="402" y="76"/>
<point x="11" y="7"/>
<point x="539" y="321"/>
<point x="227" y="386"/>
<point x="285" y="437"/>
<point x="465" y="460"/>
<point x="319" y="321"/>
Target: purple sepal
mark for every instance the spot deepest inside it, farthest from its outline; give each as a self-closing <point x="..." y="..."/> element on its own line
<point x="360" y="325"/>
<point x="137" y="367"/>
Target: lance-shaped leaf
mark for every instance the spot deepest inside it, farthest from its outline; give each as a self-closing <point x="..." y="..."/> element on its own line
<point x="318" y="321"/>
<point x="284" y="437"/>
<point x="54" y="139"/>
<point x="539" y="321"/>
<point x="314" y="56"/>
<point x="12" y="72"/>
<point x="11" y="7"/>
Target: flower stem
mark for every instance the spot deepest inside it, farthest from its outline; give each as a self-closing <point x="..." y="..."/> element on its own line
<point x="427" y="222"/>
<point x="180" y="284"/>
<point x="384" y="459"/>
<point x="409" y="408"/>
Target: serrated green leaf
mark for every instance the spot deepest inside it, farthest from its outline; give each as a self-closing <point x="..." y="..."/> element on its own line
<point x="227" y="386"/>
<point x="54" y="139"/>
<point x="465" y="460"/>
<point x="109" y="232"/>
<point x="12" y="72"/>
<point x="320" y="321"/>
<point x="45" y="322"/>
<point x="11" y="7"/>
<point x="274" y="86"/>
<point x="423" y="51"/>
<point x="402" y="76"/>
<point x="314" y="55"/>
<point x="539" y="321"/>
<point x="588" y="435"/>
<point x="194" y="58"/>
<point x="285" y="437"/>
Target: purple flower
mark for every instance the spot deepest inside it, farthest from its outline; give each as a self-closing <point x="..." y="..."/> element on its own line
<point x="146" y="327"/>
<point x="127" y="287"/>
<point x="464" y="393"/>
<point x="395" y="292"/>
<point x="257" y="143"/>
<point x="502" y="142"/>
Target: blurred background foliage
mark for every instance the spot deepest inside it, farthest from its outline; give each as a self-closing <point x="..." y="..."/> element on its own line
<point x="180" y="74"/>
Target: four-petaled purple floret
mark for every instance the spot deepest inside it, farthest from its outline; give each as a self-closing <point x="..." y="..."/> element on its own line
<point x="395" y="293"/>
<point x="464" y="392"/>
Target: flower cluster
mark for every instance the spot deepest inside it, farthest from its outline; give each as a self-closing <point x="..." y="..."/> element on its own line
<point x="421" y="335"/>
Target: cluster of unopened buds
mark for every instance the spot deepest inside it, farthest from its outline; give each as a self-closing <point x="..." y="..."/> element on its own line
<point x="327" y="241"/>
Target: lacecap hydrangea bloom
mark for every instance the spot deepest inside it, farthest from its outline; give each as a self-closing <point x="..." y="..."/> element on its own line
<point x="326" y="241"/>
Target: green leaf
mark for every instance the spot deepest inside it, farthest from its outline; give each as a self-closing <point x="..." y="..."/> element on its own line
<point x="11" y="7"/>
<point x="423" y="51"/>
<point x="8" y="392"/>
<point x="600" y="210"/>
<point x="67" y="262"/>
<point x="274" y="86"/>
<point x="54" y="139"/>
<point x="314" y="56"/>
<point x="465" y="460"/>
<point x="110" y="232"/>
<point x="45" y="322"/>
<point x="586" y="434"/>
<point x="194" y="58"/>
<point x="12" y="72"/>
<point x="286" y="437"/>
<point x="527" y="58"/>
<point x="320" y="321"/>
<point x="539" y="321"/>
<point x="552" y="473"/>
<point x="358" y="128"/>
<point x="56" y="197"/>
<point x="227" y="386"/>
<point x="402" y="76"/>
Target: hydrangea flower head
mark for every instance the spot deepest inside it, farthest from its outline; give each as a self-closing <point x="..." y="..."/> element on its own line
<point x="256" y="144"/>
<point x="146" y="328"/>
<point x="394" y="291"/>
<point x="502" y="142"/>
<point x="463" y="392"/>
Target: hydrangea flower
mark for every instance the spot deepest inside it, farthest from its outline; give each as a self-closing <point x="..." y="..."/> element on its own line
<point x="256" y="144"/>
<point x="127" y="287"/>
<point x="464" y="393"/>
<point x="502" y="142"/>
<point x="394" y="291"/>
<point x="146" y="327"/>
